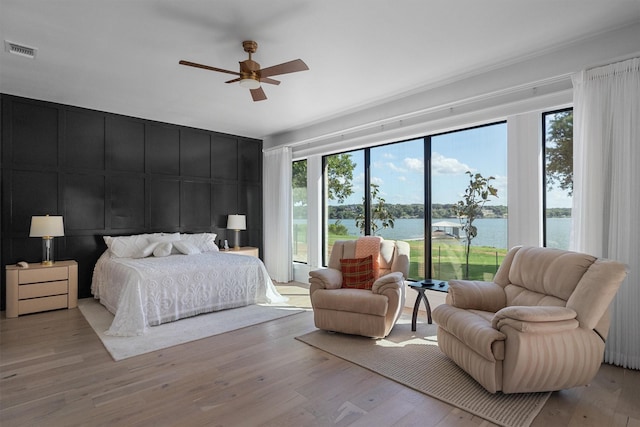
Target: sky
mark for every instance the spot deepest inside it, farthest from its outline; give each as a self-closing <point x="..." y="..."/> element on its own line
<point x="399" y="168"/>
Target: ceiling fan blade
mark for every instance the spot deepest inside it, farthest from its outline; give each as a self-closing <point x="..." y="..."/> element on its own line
<point x="258" y="94"/>
<point x="233" y="81"/>
<point x="270" y="81"/>
<point x="284" y="68"/>
<point x="207" y="67"/>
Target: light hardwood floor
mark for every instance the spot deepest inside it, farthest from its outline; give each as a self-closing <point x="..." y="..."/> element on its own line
<point x="54" y="371"/>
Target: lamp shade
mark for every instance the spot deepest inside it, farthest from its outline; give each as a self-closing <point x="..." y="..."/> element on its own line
<point x="46" y="226"/>
<point x="237" y="222"/>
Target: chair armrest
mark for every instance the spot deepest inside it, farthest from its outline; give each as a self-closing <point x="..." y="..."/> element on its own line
<point x="391" y="280"/>
<point x="328" y="278"/>
<point x="476" y="295"/>
<point x="536" y="318"/>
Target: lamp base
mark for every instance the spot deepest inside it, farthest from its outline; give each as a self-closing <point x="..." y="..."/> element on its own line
<point x="47" y="250"/>
<point x="237" y="241"/>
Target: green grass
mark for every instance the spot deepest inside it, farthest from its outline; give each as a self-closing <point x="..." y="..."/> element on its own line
<point x="448" y="259"/>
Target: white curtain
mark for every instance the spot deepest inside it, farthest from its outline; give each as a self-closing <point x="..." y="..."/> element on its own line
<point x="606" y="196"/>
<point x="278" y="214"/>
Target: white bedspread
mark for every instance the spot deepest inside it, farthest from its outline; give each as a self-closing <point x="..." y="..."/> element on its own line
<point x="150" y="291"/>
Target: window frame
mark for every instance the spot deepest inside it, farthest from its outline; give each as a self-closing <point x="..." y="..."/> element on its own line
<point x="543" y="119"/>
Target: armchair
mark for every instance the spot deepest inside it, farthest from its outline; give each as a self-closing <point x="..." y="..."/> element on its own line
<point x="541" y="325"/>
<point x="368" y="312"/>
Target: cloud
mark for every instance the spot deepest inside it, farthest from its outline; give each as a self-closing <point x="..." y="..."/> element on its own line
<point x="441" y="165"/>
<point x="414" y="165"/>
<point x="377" y="180"/>
<point x="386" y="166"/>
<point x="395" y="168"/>
<point x="557" y="198"/>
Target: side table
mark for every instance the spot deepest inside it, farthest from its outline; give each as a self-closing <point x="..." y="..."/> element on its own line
<point x="41" y="287"/>
<point x="420" y="287"/>
<point x="245" y="250"/>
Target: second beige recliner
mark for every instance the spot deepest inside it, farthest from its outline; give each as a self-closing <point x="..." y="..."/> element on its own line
<point x="371" y="313"/>
<point x="541" y="325"/>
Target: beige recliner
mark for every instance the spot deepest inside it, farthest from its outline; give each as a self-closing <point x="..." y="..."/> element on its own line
<point x="541" y="325"/>
<point x="371" y="313"/>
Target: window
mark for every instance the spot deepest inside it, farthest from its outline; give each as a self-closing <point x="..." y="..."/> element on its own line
<point x="384" y="190"/>
<point x="394" y="175"/>
<point x="344" y="193"/>
<point x="462" y="160"/>
<point x="299" y="179"/>
<point x="397" y="198"/>
<point x="558" y="177"/>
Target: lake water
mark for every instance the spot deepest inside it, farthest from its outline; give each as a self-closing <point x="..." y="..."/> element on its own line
<point x="491" y="231"/>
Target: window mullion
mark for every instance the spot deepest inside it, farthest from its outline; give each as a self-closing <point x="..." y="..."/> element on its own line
<point x="367" y="192"/>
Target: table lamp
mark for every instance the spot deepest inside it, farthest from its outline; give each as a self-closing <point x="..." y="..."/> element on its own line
<point x="47" y="227"/>
<point x="237" y="223"/>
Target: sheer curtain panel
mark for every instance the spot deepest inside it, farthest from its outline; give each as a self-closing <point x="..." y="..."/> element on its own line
<point x="277" y="214"/>
<point x="606" y="195"/>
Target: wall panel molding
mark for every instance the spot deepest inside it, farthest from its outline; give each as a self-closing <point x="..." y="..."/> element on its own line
<point x="109" y="174"/>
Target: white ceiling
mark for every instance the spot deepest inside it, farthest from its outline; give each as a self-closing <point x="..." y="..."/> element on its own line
<point x="122" y="56"/>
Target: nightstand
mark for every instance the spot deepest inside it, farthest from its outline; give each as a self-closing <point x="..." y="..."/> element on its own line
<point x="41" y="288"/>
<point x="245" y="250"/>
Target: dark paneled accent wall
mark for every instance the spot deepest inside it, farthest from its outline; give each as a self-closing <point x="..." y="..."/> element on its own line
<point x="109" y="174"/>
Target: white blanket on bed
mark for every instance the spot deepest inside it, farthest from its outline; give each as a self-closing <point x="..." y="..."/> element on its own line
<point x="150" y="291"/>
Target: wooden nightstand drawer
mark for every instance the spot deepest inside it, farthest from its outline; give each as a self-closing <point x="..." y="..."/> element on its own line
<point x="245" y="250"/>
<point x="43" y="289"/>
<point x="43" y="274"/>
<point x="35" y="305"/>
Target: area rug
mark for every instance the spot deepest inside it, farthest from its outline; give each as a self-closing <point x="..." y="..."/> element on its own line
<point x="180" y="332"/>
<point x="414" y="359"/>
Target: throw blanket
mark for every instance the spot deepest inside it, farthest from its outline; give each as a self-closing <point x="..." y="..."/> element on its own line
<point x="370" y="245"/>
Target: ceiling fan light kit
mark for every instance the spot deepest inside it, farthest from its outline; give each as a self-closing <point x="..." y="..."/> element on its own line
<point x="250" y="75"/>
<point x="250" y="83"/>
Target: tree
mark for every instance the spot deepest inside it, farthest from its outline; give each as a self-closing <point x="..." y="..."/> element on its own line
<point x="338" y="229"/>
<point x="299" y="174"/>
<point x="470" y="207"/>
<point x="299" y="193"/>
<point x="559" y="151"/>
<point x="339" y="185"/>
<point x="379" y="212"/>
<point x="340" y="176"/>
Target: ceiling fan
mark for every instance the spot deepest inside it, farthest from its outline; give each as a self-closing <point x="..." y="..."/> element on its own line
<point x="250" y="74"/>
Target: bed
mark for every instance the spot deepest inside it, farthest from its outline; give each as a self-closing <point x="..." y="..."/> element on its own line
<point x="150" y="279"/>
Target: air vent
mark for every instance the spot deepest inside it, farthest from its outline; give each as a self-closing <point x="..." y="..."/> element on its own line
<point x="18" y="49"/>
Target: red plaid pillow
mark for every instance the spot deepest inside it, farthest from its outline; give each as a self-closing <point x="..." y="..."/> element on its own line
<point x="357" y="273"/>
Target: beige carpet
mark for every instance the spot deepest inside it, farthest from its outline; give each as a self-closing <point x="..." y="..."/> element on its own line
<point x="414" y="359"/>
<point x="175" y="333"/>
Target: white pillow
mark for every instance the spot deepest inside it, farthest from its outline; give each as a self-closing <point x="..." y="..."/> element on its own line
<point x="126" y="246"/>
<point x="146" y="251"/>
<point x="162" y="249"/>
<point x="206" y="242"/>
<point x="186" y="248"/>
<point x="172" y="237"/>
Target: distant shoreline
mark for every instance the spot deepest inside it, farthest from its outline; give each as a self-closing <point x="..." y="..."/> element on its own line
<point x="492" y="232"/>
